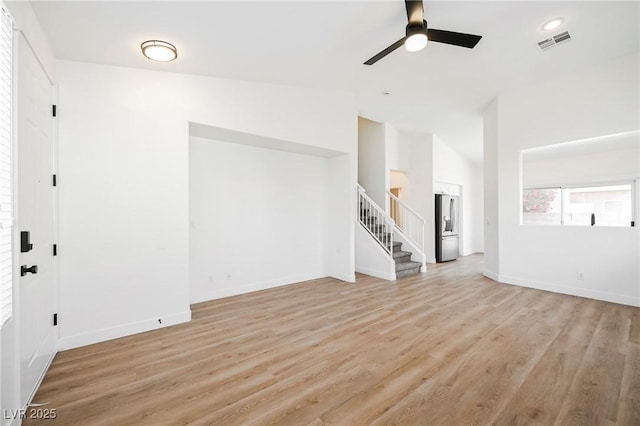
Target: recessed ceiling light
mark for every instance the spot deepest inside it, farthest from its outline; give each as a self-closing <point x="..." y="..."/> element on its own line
<point x="552" y="24"/>
<point x="159" y="50"/>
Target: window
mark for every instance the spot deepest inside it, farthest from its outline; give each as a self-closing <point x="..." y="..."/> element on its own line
<point x="609" y="204"/>
<point x="6" y="162"/>
<point x="541" y="206"/>
<point x="574" y="183"/>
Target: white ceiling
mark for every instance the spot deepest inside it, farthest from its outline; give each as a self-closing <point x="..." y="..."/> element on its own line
<point x="322" y="44"/>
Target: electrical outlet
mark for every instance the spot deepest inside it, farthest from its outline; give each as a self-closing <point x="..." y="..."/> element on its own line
<point x="210" y="278"/>
<point x="579" y="276"/>
<point x="228" y="276"/>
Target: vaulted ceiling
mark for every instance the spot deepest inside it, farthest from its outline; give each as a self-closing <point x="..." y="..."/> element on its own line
<point x="323" y="44"/>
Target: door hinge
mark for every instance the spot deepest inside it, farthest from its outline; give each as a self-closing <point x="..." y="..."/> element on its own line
<point x="55" y="249"/>
<point x="55" y="180"/>
<point x="53" y="110"/>
<point x="55" y="319"/>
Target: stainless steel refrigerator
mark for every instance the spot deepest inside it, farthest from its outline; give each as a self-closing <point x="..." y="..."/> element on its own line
<point x="447" y="227"/>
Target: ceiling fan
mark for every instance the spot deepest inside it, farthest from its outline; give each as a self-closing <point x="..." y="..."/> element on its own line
<point x="417" y="34"/>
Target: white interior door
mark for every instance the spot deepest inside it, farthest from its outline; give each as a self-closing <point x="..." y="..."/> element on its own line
<point x="35" y="158"/>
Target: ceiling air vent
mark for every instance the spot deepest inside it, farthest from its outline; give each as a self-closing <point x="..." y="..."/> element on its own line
<point x="555" y="40"/>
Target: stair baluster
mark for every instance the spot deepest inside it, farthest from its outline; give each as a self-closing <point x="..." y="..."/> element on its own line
<point x="381" y="227"/>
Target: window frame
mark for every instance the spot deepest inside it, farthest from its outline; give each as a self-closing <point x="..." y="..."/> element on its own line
<point x="633" y="182"/>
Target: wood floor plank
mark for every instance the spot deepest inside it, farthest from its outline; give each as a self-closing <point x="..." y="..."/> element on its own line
<point x="540" y="396"/>
<point x="596" y="389"/>
<point x="629" y="408"/>
<point x="476" y="381"/>
<point x="446" y="347"/>
<point x="634" y="328"/>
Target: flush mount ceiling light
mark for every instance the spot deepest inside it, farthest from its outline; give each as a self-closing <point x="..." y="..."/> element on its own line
<point x="552" y="24"/>
<point x="159" y="50"/>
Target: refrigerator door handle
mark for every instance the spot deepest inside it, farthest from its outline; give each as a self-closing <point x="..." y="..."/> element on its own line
<point x="452" y="215"/>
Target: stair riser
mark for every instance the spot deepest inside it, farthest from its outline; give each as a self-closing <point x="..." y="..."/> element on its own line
<point x="396" y="247"/>
<point x="407" y="272"/>
<point x="403" y="259"/>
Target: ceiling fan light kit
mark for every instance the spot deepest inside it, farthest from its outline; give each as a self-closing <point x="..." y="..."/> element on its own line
<point x="417" y="34"/>
<point x="416" y="39"/>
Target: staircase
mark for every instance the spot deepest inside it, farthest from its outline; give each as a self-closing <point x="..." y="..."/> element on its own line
<point x="382" y="228"/>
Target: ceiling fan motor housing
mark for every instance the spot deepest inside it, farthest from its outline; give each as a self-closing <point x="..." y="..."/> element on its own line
<point x="413" y="28"/>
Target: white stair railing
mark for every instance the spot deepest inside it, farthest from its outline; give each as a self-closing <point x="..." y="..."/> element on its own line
<point x="375" y="220"/>
<point x="410" y="223"/>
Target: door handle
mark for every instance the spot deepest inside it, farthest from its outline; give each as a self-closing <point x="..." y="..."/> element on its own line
<point x="24" y="270"/>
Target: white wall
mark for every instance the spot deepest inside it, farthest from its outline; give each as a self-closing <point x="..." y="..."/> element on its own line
<point x="124" y="220"/>
<point x="612" y="165"/>
<point x="449" y="167"/>
<point x="398" y="154"/>
<point x="419" y="194"/>
<point x="595" y="102"/>
<point x="372" y="163"/>
<point x="491" y="196"/>
<point x="474" y="210"/>
<point x="270" y="243"/>
<point x="398" y="162"/>
<point x="339" y="240"/>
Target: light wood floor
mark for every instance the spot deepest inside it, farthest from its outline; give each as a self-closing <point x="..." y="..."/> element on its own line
<point x="446" y="347"/>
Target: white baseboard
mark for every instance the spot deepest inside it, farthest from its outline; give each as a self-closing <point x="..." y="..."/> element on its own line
<point x="16" y="419"/>
<point x="377" y="274"/>
<point x="572" y="291"/>
<point x="492" y="275"/>
<point x="348" y="278"/>
<point x="251" y="287"/>
<point x="123" y="330"/>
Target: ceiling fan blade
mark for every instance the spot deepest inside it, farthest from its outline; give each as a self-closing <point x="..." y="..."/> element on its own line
<point x="385" y="52"/>
<point x="450" y="37"/>
<point x="415" y="11"/>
